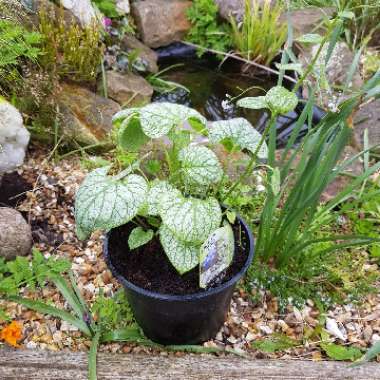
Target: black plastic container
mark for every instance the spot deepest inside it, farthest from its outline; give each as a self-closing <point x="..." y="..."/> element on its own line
<point x="181" y="319"/>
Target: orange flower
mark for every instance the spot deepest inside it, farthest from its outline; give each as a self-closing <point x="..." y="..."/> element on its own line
<point x="11" y="333"/>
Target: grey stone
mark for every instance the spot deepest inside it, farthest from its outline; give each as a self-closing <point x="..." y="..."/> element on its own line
<point x="15" y="234"/>
<point x="128" y="89"/>
<point x="161" y="22"/>
<point x="368" y="117"/>
<point x="145" y="53"/>
<point x="53" y="12"/>
<point x="306" y="21"/>
<point x="233" y="8"/>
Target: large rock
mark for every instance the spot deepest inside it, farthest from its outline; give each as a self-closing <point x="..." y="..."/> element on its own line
<point x="161" y="22"/>
<point x="368" y="117"/>
<point x="53" y="12"/>
<point x="86" y="117"/>
<point x="14" y="137"/>
<point x="146" y="54"/>
<point x="83" y="10"/>
<point x="123" y="7"/>
<point x="128" y="89"/>
<point x="233" y="8"/>
<point x="305" y="21"/>
<point x="15" y="234"/>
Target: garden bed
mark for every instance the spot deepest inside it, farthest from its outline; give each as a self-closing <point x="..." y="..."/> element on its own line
<point x="50" y="204"/>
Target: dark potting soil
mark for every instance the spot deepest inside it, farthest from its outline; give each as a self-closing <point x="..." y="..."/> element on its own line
<point x="13" y="188"/>
<point x="149" y="268"/>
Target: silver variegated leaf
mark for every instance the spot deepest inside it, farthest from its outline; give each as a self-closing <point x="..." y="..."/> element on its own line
<point x="157" y="119"/>
<point x="124" y="114"/>
<point x="103" y="202"/>
<point x="200" y="165"/>
<point x="216" y="254"/>
<point x="240" y="132"/>
<point x="191" y="219"/>
<point x="183" y="256"/>
<point x="139" y="237"/>
<point x="255" y="103"/>
<point x="280" y="100"/>
<point x="158" y="194"/>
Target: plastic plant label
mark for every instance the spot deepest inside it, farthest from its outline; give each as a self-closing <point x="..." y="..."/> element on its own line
<point x="216" y="254"/>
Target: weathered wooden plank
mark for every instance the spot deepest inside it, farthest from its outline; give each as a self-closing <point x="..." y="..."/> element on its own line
<point x="43" y="365"/>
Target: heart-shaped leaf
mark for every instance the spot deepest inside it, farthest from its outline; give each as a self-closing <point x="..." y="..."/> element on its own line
<point x="255" y="103"/>
<point x="130" y="135"/>
<point x="157" y="119"/>
<point x="200" y="166"/>
<point x="280" y="100"/>
<point x="139" y="237"/>
<point x="183" y="256"/>
<point x="242" y="134"/>
<point x="310" y="38"/>
<point x="190" y="219"/>
<point x="120" y="116"/>
<point x="157" y="194"/>
<point x="216" y="254"/>
<point x="105" y="202"/>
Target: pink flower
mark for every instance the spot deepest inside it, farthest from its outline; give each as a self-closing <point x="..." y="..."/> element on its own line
<point x="107" y="22"/>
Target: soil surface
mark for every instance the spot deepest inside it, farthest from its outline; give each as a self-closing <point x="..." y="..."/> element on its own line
<point x="149" y="268"/>
<point x="13" y="188"/>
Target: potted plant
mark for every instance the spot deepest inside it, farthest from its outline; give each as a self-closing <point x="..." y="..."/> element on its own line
<point x="169" y="241"/>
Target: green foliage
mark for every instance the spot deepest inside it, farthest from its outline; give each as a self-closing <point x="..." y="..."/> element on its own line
<point x="278" y="99"/>
<point x="362" y="21"/>
<point x="275" y="343"/>
<point x="206" y="31"/>
<point x="139" y="237"/>
<point x="337" y="352"/>
<point x="371" y="354"/>
<point x="17" y="46"/>
<point x="4" y="317"/>
<point x="112" y="312"/>
<point x="22" y="272"/>
<point x="261" y="36"/>
<point x="326" y="279"/>
<point x="16" y="43"/>
<point x="364" y="213"/>
<point x="184" y="193"/>
<point x="107" y="7"/>
<point x="288" y="235"/>
<point x="68" y="50"/>
<point x="104" y="202"/>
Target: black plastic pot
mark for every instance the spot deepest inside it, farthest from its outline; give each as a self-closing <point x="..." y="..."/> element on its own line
<point x="181" y="319"/>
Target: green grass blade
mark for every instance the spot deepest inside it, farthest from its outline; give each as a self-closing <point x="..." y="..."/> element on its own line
<point x="69" y="296"/>
<point x="44" y="308"/>
<point x="127" y="334"/>
<point x="369" y="355"/>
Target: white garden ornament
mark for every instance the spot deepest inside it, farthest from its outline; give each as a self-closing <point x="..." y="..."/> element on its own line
<point x="14" y="137"/>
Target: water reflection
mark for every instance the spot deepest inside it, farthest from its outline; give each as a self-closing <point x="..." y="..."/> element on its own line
<point x="210" y="89"/>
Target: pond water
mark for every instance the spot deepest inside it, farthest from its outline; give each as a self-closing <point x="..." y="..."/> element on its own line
<point x="209" y="88"/>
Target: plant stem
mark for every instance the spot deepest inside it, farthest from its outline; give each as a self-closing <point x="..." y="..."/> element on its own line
<point x="252" y="162"/>
<point x="92" y="356"/>
<point x="313" y="62"/>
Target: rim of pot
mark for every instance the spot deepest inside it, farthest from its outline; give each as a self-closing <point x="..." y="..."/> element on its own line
<point x="177" y="297"/>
